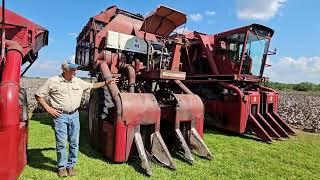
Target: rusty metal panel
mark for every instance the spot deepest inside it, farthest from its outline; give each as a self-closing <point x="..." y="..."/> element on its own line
<point x="139" y="108"/>
<point x="189" y="107"/>
<point x="163" y="21"/>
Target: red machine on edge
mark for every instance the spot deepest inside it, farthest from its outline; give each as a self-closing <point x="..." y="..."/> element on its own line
<point x="226" y="71"/>
<point x="21" y="40"/>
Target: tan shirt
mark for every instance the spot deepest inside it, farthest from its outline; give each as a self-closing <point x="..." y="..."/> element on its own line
<point x="64" y="95"/>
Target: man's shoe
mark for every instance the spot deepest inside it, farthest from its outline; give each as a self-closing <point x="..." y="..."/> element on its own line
<point x="71" y="171"/>
<point x="62" y="172"/>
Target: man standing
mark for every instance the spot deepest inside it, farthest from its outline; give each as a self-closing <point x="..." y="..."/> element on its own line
<point x="64" y="96"/>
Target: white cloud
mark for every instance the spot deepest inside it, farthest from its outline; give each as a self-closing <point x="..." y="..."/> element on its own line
<point x="49" y="68"/>
<point x="72" y="58"/>
<point x="72" y="34"/>
<point x="183" y="30"/>
<point x="196" y="17"/>
<point x="290" y="70"/>
<point x="210" y="13"/>
<point x="258" y="9"/>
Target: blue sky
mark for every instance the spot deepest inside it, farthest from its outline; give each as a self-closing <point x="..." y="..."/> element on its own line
<point x="296" y="24"/>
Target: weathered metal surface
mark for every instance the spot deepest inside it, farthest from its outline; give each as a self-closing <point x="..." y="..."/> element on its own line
<point x="163" y="21"/>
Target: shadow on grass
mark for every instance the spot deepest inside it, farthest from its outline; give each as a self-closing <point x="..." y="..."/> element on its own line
<point x="91" y="152"/>
<point x="249" y="136"/>
<point x="43" y="118"/>
<point x="36" y="159"/>
<point x="84" y="145"/>
<point x="135" y="162"/>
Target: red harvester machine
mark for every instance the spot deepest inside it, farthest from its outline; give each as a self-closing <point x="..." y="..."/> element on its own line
<point x="21" y="40"/>
<point x="150" y="106"/>
<point x="226" y="71"/>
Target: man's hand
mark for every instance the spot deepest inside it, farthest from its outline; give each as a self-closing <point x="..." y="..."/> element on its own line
<point x="54" y="112"/>
<point x="113" y="80"/>
<point x="104" y="83"/>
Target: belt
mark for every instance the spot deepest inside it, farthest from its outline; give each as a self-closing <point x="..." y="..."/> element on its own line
<point x="70" y="112"/>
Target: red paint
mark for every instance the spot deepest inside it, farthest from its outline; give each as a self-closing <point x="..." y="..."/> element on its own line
<point x="136" y="108"/>
<point x="29" y="35"/>
<point x="117" y="137"/>
<point x="234" y="99"/>
<point x="13" y="133"/>
<point x="120" y="142"/>
<point x="23" y="40"/>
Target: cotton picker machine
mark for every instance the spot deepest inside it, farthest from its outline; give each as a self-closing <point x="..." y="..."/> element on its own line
<point x="21" y="40"/>
<point x="226" y="71"/>
<point x="149" y="108"/>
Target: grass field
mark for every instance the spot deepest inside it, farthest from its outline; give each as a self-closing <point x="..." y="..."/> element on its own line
<point x="235" y="157"/>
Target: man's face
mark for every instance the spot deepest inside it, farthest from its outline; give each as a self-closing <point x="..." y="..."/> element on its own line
<point x="70" y="73"/>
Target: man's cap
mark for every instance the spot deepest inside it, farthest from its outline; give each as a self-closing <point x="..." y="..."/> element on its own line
<point x="71" y="65"/>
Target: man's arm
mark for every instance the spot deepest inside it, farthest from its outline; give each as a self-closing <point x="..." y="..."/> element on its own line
<point x="42" y="92"/>
<point x="101" y="84"/>
<point x="54" y="112"/>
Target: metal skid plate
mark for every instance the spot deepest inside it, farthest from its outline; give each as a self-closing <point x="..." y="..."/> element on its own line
<point x="190" y="108"/>
<point x="264" y="122"/>
<point x="160" y="151"/>
<point x="142" y="153"/>
<point x="143" y="109"/>
<point x="138" y="108"/>
<point x="270" y="101"/>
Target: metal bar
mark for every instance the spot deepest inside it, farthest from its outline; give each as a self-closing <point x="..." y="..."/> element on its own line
<point x="186" y="149"/>
<point x="282" y="123"/>
<point x="268" y="128"/>
<point x="26" y="69"/>
<point x="142" y="153"/>
<point x="258" y="129"/>
<point x="160" y="151"/>
<point x="198" y="145"/>
<point x="276" y="126"/>
<point x="244" y="48"/>
<point x="205" y="43"/>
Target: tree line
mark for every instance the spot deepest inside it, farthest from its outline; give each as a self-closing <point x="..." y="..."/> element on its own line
<point x="303" y="86"/>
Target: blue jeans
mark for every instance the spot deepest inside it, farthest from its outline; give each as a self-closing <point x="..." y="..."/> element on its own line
<point x="67" y="128"/>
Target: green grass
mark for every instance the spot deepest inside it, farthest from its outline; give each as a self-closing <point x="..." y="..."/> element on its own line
<point x="236" y="157"/>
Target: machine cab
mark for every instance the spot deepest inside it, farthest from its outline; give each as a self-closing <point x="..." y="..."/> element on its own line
<point x="245" y="49"/>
